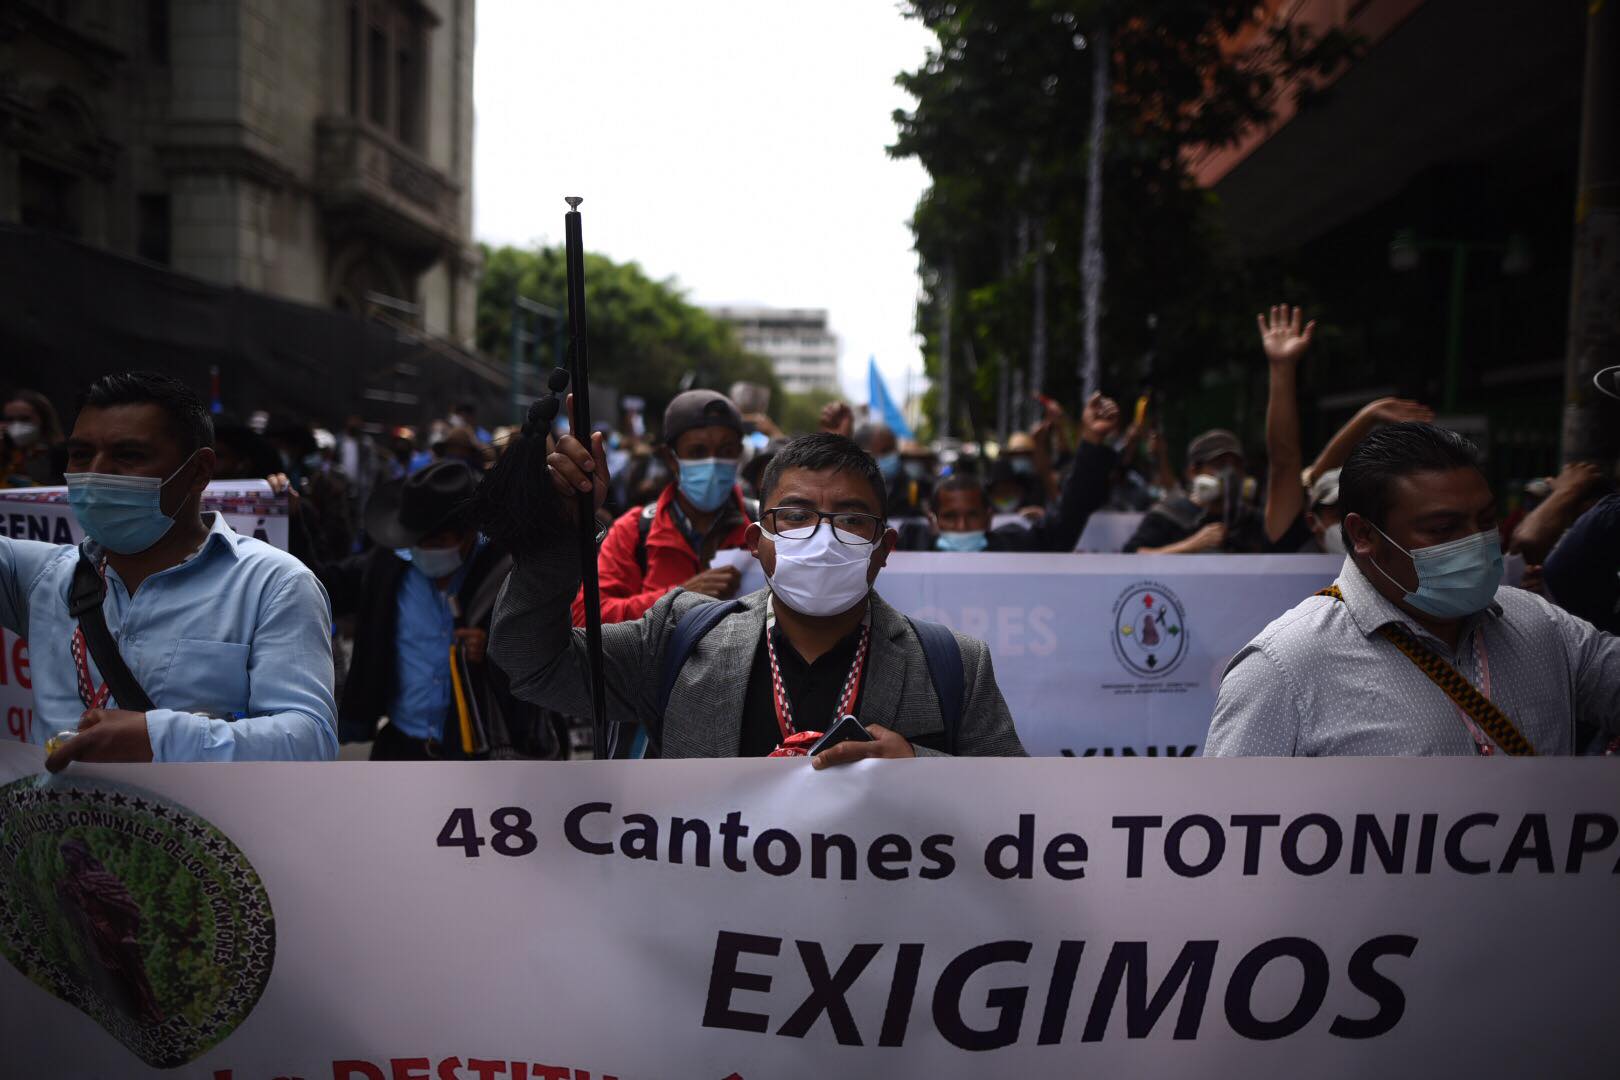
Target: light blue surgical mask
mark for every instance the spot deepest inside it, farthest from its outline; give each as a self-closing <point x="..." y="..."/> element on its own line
<point x="889" y="466"/>
<point x="437" y="563"/>
<point x="962" y="541"/>
<point x="708" y="482"/>
<point x="1022" y="464"/>
<point x="1455" y="579"/>
<point x="124" y="514"/>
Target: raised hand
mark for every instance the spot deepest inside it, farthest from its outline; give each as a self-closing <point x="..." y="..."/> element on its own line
<point x="576" y="470"/>
<point x="838" y="419"/>
<point x="1396" y="411"/>
<point x="1575" y="478"/>
<point x="1100" y="419"/>
<point x="1281" y="336"/>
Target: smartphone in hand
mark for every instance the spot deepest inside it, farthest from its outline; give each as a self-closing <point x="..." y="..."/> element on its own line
<point x="848" y="728"/>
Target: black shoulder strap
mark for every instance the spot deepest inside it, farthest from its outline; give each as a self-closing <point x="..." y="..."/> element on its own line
<point x="688" y="632"/>
<point x="638" y="741"/>
<point x="1485" y="712"/>
<point x="644" y="524"/>
<point x="944" y="658"/>
<point x="84" y="604"/>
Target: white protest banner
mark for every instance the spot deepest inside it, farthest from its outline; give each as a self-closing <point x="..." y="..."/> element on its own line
<point x="43" y="513"/>
<point x="1107" y="654"/>
<point x="760" y="920"/>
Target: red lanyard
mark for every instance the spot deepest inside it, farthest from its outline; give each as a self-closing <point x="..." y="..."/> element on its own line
<point x="92" y="698"/>
<point x="846" y="700"/>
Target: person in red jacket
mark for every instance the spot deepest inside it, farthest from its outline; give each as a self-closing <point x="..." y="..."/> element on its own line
<point x="651" y="550"/>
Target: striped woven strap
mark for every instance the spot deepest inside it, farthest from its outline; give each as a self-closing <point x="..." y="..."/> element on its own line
<point x="1481" y="709"/>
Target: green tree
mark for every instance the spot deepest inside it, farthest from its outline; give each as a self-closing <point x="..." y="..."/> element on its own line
<point x="645" y="337"/>
<point x="1001" y="123"/>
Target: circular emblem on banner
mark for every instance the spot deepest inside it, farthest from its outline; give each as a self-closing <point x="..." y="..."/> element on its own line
<point x="1150" y="633"/>
<point x="134" y="910"/>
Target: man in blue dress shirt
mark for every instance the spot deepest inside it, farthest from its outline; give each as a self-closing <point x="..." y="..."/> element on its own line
<point x="229" y="638"/>
<point x="430" y="580"/>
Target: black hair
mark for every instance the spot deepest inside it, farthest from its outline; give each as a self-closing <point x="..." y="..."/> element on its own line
<point x="958" y="482"/>
<point x="1392" y="452"/>
<point x="189" y="421"/>
<point x="824" y="452"/>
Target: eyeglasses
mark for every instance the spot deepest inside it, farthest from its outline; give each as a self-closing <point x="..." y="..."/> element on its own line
<point x="801" y="523"/>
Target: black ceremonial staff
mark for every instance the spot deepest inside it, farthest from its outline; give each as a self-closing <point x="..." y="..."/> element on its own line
<point x="579" y="377"/>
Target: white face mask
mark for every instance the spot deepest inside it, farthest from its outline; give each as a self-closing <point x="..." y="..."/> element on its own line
<point x="1206" y="489"/>
<point x="23" y="432"/>
<point x="822" y="574"/>
<point x="437" y="563"/>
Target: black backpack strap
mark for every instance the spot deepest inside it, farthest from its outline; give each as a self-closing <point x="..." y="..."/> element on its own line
<point x="944" y="658"/>
<point x="689" y="630"/>
<point x="84" y="604"/>
<point x="644" y="524"/>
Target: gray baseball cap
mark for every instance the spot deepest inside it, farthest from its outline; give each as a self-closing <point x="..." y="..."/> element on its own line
<point x="1212" y="444"/>
<point x="699" y="408"/>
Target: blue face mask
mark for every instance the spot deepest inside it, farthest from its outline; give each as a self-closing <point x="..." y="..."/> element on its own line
<point x="124" y="514"/>
<point x="1455" y="579"/>
<point x="708" y="482"/>
<point x="962" y="541"/>
<point x="889" y="466"/>
<point x="1022" y="464"/>
<point x="437" y="563"/>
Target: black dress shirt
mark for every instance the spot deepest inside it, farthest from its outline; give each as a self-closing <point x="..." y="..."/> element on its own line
<point x="813" y="691"/>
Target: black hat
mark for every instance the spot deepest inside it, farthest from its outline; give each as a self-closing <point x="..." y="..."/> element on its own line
<point x="401" y="512"/>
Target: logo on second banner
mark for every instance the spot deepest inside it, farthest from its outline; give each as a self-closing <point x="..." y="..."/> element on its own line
<point x="1150" y="630"/>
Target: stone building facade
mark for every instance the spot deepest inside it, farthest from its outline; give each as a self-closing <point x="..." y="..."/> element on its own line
<point x="315" y="150"/>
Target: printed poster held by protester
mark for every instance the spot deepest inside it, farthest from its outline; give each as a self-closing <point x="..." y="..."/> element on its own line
<point x="43" y="514"/>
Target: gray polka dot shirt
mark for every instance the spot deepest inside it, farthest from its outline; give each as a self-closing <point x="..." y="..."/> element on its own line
<point x="1320" y="681"/>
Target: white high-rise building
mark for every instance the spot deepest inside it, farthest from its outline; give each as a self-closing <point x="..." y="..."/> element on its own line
<point x="802" y="351"/>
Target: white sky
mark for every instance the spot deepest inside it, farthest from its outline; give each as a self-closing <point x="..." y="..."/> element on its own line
<point x="737" y="145"/>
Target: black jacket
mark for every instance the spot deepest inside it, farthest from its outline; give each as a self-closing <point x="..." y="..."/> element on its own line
<point x="367" y="585"/>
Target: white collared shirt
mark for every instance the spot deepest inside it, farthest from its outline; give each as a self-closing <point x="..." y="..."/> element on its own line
<point x="1320" y="681"/>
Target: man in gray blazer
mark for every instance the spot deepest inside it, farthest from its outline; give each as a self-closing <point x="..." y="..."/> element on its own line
<point x="788" y="661"/>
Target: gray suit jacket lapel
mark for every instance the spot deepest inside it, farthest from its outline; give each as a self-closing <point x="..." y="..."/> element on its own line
<point x="706" y="706"/>
<point x="886" y="668"/>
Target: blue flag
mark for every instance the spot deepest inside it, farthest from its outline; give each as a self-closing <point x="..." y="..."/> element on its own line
<point x="881" y="405"/>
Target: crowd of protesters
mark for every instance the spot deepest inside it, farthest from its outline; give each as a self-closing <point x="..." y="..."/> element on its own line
<point x="454" y="637"/>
